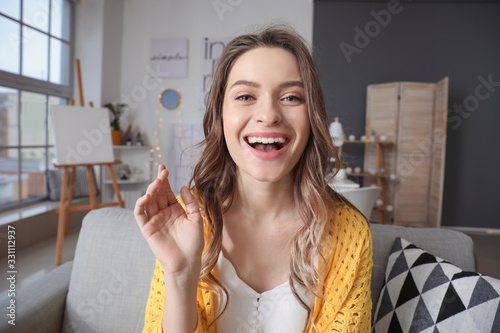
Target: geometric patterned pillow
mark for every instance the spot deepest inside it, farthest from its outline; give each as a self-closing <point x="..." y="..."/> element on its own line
<point x="424" y="293"/>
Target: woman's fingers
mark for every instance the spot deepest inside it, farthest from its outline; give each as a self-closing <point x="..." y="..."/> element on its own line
<point x="160" y="195"/>
<point x="152" y="204"/>
<point x="139" y="213"/>
<point x="166" y="196"/>
<point x="162" y="199"/>
<point x="192" y="207"/>
<point x="161" y="167"/>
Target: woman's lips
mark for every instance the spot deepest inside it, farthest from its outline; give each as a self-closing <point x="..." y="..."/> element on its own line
<point x="267" y="146"/>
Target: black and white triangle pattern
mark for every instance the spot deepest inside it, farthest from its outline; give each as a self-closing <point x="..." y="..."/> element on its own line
<point x="424" y="293"/>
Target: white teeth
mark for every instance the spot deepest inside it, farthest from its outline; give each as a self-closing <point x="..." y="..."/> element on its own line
<point x="254" y="139"/>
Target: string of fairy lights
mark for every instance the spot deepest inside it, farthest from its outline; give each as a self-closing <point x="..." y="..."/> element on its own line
<point x="156" y="150"/>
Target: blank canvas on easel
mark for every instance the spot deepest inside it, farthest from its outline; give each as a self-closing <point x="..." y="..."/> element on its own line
<point x="82" y="135"/>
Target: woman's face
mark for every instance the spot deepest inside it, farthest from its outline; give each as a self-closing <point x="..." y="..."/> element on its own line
<point x="265" y="118"/>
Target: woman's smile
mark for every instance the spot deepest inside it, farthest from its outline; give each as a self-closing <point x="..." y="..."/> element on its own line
<point x="267" y="146"/>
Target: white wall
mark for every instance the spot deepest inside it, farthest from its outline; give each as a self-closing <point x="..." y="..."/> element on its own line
<point x="112" y="46"/>
<point x="89" y="20"/>
<point x="98" y="44"/>
<point x="194" y="19"/>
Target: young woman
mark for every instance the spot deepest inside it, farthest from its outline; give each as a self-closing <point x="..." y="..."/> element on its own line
<point x="260" y="243"/>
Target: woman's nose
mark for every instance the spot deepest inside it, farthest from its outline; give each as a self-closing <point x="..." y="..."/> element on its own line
<point x="268" y="113"/>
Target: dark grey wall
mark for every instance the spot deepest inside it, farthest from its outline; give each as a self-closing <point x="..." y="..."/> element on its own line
<point x="424" y="42"/>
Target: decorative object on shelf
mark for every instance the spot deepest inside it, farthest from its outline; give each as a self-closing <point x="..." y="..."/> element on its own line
<point x="128" y="137"/>
<point x="352" y="137"/>
<point x="337" y="133"/>
<point x="368" y="133"/>
<point x="357" y="169"/>
<point x="124" y="172"/>
<point x="170" y="98"/>
<point x="117" y="111"/>
<point x="138" y="140"/>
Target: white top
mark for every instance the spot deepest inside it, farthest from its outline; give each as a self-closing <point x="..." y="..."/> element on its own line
<point x="272" y="311"/>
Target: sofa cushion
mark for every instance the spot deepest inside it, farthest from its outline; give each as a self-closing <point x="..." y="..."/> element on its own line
<point x="451" y="245"/>
<point x="111" y="276"/>
<point x="425" y="293"/>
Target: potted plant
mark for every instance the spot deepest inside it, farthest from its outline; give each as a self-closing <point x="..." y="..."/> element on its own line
<point x="117" y="111"/>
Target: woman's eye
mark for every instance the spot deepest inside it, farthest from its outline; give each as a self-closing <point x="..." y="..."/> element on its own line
<point x="244" y="98"/>
<point x="292" y="98"/>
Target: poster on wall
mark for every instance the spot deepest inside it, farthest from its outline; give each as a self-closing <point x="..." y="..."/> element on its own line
<point x="168" y="57"/>
<point x="211" y="50"/>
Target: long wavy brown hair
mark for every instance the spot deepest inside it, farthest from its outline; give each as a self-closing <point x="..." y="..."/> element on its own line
<point x="214" y="176"/>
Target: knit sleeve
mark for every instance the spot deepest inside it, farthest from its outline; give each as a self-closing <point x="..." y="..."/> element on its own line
<point x="347" y="298"/>
<point x="156" y="301"/>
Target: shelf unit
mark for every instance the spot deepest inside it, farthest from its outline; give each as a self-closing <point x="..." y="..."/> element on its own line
<point x="379" y="177"/>
<point x="140" y="161"/>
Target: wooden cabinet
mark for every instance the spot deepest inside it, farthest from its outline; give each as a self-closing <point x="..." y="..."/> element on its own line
<point x="139" y="160"/>
<point x="413" y="116"/>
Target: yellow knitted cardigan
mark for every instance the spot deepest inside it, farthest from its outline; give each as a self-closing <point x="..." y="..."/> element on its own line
<point x="346" y="306"/>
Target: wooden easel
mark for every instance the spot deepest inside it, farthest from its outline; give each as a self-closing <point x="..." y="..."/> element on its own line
<point x="65" y="208"/>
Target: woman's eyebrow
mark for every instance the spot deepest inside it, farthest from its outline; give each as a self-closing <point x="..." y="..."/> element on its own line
<point x="291" y="84"/>
<point x="257" y="85"/>
<point x="245" y="83"/>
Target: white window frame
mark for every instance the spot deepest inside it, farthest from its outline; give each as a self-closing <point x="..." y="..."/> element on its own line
<point x="47" y="88"/>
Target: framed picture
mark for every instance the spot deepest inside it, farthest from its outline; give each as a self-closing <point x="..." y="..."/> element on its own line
<point x="168" y="57"/>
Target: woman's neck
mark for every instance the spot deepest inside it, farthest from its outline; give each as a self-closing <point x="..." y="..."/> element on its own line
<point x="264" y="203"/>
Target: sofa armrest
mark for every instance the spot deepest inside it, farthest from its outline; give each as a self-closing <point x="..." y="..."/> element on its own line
<point x="39" y="306"/>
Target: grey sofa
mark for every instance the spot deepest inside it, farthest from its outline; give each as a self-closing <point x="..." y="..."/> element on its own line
<point x="105" y="288"/>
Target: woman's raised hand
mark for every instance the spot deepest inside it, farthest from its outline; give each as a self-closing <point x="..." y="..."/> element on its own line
<point x="176" y="238"/>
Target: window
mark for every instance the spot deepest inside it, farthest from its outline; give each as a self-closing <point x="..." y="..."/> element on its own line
<point x="35" y="73"/>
